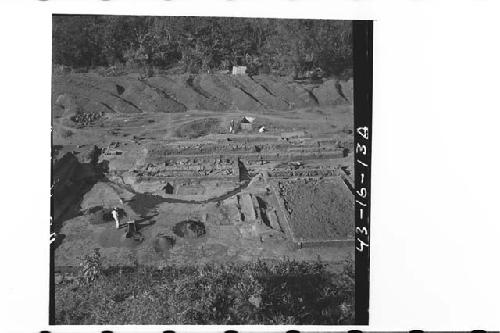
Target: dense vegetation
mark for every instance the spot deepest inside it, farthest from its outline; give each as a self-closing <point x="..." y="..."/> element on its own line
<point x="285" y="292"/>
<point x="203" y="44"/>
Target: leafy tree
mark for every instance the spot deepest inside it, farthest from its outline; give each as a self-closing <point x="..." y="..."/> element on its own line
<point x="203" y="44"/>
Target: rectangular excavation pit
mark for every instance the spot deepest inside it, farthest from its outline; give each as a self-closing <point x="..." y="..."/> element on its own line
<point x="318" y="212"/>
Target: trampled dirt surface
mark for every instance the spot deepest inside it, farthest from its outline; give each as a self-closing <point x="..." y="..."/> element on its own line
<point x="160" y="150"/>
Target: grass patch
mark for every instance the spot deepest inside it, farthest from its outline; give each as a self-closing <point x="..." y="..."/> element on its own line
<point x="285" y="292"/>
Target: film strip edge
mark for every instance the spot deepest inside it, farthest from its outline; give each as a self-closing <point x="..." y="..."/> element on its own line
<point x="363" y="83"/>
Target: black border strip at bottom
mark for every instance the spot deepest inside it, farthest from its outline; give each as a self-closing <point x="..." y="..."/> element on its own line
<point x="363" y="82"/>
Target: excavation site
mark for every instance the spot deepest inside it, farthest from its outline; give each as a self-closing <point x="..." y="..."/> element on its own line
<point x="209" y="168"/>
<point x="202" y="171"/>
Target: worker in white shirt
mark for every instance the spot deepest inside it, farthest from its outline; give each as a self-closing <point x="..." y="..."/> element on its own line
<point x="115" y="215"/>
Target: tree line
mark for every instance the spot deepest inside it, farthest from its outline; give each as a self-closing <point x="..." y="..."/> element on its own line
<point x="203" y="44"/>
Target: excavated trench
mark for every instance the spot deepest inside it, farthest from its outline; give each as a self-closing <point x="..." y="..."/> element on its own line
<point x="142" y="203"/>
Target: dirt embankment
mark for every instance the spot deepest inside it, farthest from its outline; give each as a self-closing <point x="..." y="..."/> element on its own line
<point x="92" y="93"/>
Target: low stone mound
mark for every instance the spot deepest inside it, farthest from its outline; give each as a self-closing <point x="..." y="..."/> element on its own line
<point x="85" y="119"/>
<point x="189" y="229"/>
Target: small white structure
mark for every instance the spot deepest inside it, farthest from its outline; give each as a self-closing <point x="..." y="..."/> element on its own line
<point x="262" y="129"/>
<point x="239" y="70"/>
<point x="249" y="119"/>
<point x="246" y="123"/>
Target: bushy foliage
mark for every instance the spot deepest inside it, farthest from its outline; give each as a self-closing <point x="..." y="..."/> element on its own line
<point x="90" y="267"/>
<point x="202" y="44"/>
<point x="284" y="292"/>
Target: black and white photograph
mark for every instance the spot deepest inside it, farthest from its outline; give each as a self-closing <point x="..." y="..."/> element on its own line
<point x="202" y="171"/>
<point x="249" y="166"/>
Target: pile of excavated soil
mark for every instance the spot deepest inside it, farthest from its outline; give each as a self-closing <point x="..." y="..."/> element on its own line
<point x="75" y="93"/>
<point x="333" y="92"/>
<point x="88" y="93"/>
<point x="148" y="98"/>
<point x="186" y="89"/>
<point x="319" y="209"/>
<point x="91" y="93"/>
<point x="292" y="94"/>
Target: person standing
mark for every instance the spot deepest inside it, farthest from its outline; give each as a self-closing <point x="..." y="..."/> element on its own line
<point x="115" y="215"/>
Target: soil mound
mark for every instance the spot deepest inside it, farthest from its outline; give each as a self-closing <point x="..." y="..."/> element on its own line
<point x="292" y="94"/>
<point x="148" y="98"/>
<point x="91" y="93"/>
<point x="88" y="93"/>
<point x="83" y="93"/>
<point x="333" y="92"/>
<point x="187" y="90"/>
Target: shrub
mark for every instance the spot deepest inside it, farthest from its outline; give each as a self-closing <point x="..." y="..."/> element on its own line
<point x="91" y="267"/>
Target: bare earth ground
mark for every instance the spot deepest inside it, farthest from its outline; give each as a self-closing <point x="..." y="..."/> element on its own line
<point x="159" y="150"/>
